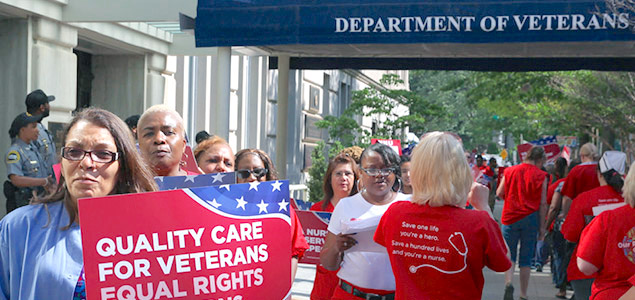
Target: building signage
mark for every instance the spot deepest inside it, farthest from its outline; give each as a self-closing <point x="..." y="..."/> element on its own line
<point x="268" y="22"/>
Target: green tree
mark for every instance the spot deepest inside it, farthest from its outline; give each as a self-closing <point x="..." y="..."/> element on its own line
<point x="320" y="158"/>
<point x="373" y="101"/>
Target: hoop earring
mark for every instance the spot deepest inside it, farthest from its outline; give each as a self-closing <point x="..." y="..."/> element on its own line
<point x="357" y="186"/>
<point x="400" y="185"/>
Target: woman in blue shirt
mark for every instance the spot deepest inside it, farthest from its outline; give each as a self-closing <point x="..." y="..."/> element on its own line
<point x="40" y="244"/>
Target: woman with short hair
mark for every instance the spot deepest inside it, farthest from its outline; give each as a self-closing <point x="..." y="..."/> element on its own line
<point x="214" y="155"/>
<point x="363" y="272"/>
<point x="436" y="245"/>
<point x="41" y="249"/>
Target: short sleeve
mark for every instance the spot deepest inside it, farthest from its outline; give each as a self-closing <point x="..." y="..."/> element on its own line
<point x="632" y="280"/>
<point x="13" y="161"/>
<point x="298" y="242"/>
<point x="496" y="249"/>
<point x="593" y="242"/>
<point x="336" y="218"/>
<point x="559" y="187"/>
<point x="380" y="232"/>
<point x="574" y="222"/>
<point x="569" y="184"/>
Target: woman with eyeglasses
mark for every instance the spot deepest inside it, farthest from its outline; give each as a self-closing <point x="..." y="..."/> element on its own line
<point x="255" y="165"/>
<point x="364" y="272"/>
<point x="40" y="244"/>
<point x="339" y="182"/>
<point x="437" y="248"/>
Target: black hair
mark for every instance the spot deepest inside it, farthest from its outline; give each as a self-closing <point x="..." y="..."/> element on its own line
<point x="560" y="167"/>
<point x="613" y="179"/>
<point x="132" y="121"/>
<point x="404" y="159"/>
<point x="201" y="136"/>
<point x="389" y="157"/>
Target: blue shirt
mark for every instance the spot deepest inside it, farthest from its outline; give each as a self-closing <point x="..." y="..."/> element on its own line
<point x="39" y="261"/>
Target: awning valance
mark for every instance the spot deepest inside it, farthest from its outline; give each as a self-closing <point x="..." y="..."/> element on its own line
<point x="292" y="22"/>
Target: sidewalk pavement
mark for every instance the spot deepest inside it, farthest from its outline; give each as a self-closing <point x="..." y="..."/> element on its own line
<point x="540" y="286"/>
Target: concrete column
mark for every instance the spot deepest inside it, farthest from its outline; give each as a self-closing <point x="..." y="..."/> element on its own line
<point x="155" y="83"/>
<point x="283" y="115"/>
<point x="223" y="89"/>
<point x="14" y="73"/>
<point x="54" y="66"/>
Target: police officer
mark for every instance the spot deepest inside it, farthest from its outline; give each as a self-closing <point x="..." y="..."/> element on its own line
<point x="25" y="166"/>
<point x="37" y="104"/>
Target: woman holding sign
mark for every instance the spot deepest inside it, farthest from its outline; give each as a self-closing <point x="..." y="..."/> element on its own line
<point x="435" y="245"/>
<point x="255" y="165"/>
<point x="364" y="270"/>
<point x="40" y="244"/>
<point x="339" y="182"/>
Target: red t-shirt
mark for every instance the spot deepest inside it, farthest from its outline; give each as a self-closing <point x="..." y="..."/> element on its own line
<point x="325" y="281"/>
<point x="581" y="179"/>
<point x="523" y="189"/>
<point x="318" y="206"/>
<point x="608" y="243"/>
<point x="440" y="252"/>
<point x="580" y="215"/>
<point x="298" y="242"/>
<point x="191" y="173"/>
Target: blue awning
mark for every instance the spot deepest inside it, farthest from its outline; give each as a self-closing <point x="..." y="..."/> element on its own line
<point x="345" y="22"/>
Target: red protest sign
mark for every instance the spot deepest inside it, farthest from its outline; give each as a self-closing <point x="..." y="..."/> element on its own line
<point x="394" y="144"/>
<point x="552" y="151"/>
<point x="227" y="242"/>
<point x="315" y="226"/>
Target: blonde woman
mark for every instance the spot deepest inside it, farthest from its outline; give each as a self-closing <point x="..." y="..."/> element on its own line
<point x="435" y="245"/>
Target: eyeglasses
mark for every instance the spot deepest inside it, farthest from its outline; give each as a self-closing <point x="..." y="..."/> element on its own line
<point x="375" y="172"/>
<point x="98" y="156"/>
<point x="258" y="172"/>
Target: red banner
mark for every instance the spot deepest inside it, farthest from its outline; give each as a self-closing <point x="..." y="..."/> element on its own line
<point x="189" y="161"/>
<point x="227" y="242"/>
<point x="551" y="150"/>
<point x="394" y="144"/>
<point x="315" y="226"/>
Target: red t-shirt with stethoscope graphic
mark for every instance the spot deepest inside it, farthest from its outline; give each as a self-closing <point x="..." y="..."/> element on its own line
<point x="433" y="250"/>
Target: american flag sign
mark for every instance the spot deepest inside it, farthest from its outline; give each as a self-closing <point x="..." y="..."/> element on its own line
<point x="178" y="182"/>
<point x="231" y="241"/>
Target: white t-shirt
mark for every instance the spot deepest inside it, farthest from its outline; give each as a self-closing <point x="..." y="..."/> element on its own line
<point x="364" y="269"/>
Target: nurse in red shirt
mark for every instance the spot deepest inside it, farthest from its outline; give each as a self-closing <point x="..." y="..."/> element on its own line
<point x="607" y="247"/>
<point x="581" y="178"/>
<point x="437" y="248"/>
<point x="255" y="165"/>
<point x="610" y="171"/>
<point x="339" y="182"/>
<point x="524" y="188"/>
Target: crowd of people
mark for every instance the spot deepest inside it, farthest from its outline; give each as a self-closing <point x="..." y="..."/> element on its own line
<point x="431" y="211"/>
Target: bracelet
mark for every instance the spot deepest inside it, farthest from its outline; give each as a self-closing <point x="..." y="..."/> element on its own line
<point x="46" y="182"/>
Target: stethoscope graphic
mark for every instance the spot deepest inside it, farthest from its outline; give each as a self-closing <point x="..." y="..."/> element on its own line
<point x="413" y="269"/>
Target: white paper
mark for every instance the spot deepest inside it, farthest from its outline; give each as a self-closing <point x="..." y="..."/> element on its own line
<point x="364" y="231"/>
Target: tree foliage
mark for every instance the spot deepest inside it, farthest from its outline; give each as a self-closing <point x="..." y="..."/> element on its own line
<point x="380" y="103"/>
<point x="320" y="158"/>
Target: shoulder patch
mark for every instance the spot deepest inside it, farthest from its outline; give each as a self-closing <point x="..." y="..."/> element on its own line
<point x="13" y="157"/>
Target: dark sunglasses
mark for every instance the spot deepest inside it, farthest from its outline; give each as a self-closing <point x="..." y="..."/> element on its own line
<point x="258" y="172"/>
